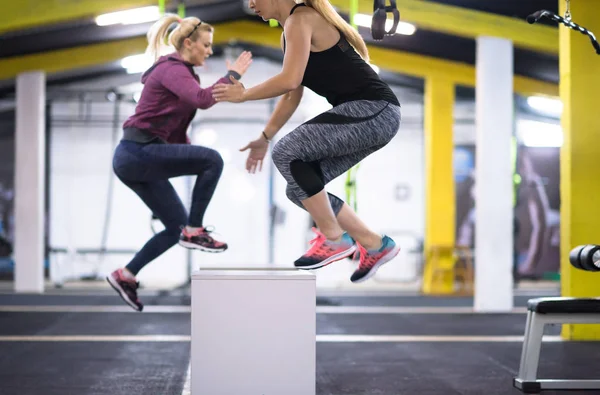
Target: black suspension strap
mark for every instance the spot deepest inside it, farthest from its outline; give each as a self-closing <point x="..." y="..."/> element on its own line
<point x="380" y="11"/>
<point x="566" y="20"/>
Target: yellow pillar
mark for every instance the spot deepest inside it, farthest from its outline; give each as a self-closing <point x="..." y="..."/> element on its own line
<point x="580" y="155"/>
<point x="440" y="199"/>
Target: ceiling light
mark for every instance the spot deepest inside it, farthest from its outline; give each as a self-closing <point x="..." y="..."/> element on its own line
<point x="540" y="134"/>
<point x="136" y="63"/>
<point x="546" y="105"/>
<point x="403" y="27"/>
<point x="129" y="17"/>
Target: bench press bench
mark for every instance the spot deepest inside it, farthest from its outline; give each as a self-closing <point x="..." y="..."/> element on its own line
<point x="552" y="310"/>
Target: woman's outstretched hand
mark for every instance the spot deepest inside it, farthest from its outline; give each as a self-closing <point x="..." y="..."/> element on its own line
<point x="233" y="92"/>
<point x="241" y="64"/>
<point x="258" y="150"/>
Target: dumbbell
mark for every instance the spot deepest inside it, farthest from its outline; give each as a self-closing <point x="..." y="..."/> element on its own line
<point x="586" y="257"/>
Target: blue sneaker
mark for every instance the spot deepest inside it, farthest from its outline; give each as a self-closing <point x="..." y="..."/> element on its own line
<point x="323" y="251"/>
<point x="372" y="260"/>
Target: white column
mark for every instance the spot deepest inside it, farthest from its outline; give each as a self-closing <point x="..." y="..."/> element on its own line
<point x="494" y="188"/>
<point x="30" y="145"/>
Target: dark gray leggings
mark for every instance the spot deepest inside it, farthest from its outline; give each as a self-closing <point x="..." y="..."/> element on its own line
<point x="328" y="145"/>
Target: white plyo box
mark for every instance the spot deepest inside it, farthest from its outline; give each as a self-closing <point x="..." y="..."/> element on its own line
<point x="253" y="332"/>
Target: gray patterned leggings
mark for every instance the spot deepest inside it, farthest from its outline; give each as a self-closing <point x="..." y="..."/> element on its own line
<point x="328" y="145"/>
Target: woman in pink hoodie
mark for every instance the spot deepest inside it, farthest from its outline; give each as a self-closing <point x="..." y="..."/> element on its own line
<point x="155" y="146"/>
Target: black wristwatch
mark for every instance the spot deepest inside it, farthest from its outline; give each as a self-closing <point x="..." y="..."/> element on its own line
<point x="235" y="75"/>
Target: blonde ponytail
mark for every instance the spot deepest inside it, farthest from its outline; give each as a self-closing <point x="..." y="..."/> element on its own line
<point x="157" y="35"/>
<point x="327" y="11"/>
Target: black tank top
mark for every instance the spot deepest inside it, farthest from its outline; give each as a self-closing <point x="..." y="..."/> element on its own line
<point x="340" y="75"/>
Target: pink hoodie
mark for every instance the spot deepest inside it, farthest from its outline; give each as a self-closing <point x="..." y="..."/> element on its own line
<point x="170" y="98"/>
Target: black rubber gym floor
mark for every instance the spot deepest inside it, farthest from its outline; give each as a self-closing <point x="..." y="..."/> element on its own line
<point x="183" y="299"/>
<point x="347" y="368"/>
<point x="153" y="299"/>
<point x="115" y="324"/>
<point x="86" y="368"/>
<point x="443" y="368"/>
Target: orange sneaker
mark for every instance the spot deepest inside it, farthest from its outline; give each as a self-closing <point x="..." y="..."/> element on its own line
<point x="323" y="251"/>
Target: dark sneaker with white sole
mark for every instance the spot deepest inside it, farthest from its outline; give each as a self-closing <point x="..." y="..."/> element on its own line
<point x="201" y="240"/>
<point x="126" y="288"/>
<point x="372" y="260"/>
